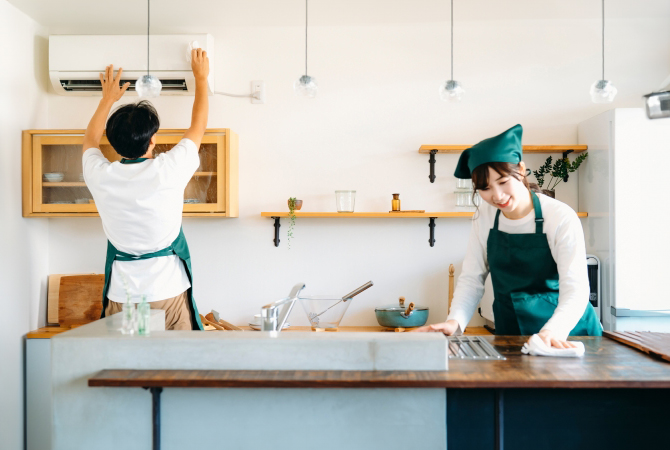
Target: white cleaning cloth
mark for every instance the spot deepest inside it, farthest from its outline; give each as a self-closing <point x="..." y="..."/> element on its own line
<point x="536" y="347"/>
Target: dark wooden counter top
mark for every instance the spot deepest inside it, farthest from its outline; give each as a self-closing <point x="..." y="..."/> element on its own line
<point x="606" y="364"/>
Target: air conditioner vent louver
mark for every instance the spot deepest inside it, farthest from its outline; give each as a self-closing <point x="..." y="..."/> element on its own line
<point x="94" y="85"/>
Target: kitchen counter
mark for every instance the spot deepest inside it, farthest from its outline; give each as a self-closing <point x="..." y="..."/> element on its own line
<point x="605" y="365"/>
<point x="299" y="386"/>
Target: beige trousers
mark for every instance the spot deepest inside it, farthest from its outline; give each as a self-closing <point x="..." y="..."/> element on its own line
<point x="177" y="314"/>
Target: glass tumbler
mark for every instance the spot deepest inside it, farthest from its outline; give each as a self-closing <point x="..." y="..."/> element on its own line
<point x="345" y="200"/>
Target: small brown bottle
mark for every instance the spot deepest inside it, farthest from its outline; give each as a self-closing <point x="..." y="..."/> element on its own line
<point x="395" y="203"/>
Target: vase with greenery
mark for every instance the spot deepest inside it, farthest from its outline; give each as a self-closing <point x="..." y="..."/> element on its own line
<point x="293" y="206"/>
<point x="556" y="172"/>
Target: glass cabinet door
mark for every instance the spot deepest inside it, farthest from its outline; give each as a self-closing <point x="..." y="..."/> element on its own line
<point x="204" y="192"/>
<point x="58" y="181"/>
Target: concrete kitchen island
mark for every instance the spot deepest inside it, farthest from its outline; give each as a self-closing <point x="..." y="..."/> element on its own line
<point x="112" y="418"/>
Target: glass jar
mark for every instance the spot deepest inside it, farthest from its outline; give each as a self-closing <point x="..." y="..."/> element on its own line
<point x="395" y="203"/>
<point x="465" y="200"/>
<point x="344" y="200"/>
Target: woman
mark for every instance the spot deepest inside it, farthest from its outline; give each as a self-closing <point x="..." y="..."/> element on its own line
<point x="534" y="251"/>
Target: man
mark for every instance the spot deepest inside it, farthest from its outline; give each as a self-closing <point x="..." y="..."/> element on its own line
<point x="140" y="200"/>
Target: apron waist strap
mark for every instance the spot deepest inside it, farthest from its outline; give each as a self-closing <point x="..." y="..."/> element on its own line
<point x="122" y="256"/>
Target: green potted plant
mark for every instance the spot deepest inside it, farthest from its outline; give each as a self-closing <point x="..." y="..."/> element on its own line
<point x="556" y="172"/>
<point x="293" y="205"/>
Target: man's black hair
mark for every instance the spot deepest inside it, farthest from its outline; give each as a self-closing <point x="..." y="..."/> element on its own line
<point x="130" y="127"/>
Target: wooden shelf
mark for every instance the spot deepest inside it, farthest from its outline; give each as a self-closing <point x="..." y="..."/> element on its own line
<point x="368" y="215"/>
<point x="526" y="148"/>
<point x="63" y="184"/>
<point x="432" y="150"/>
<point x="204" y="174"/>
<point x="431" y="216"/>
<point x="380" y="215"/>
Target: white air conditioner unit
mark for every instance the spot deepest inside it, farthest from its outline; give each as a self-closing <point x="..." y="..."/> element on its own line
<point x="76" y="61"/>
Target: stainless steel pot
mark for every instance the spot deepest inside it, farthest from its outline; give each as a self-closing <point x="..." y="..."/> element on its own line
<point x="401" y="315"/>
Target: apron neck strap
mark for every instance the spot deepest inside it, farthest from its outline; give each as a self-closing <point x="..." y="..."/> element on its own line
<point x="539" y="220"/>
<point x="132" y="161"/>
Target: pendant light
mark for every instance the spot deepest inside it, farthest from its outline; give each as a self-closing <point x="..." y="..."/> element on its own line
<point x="305" y="85"/>
<point x="451" y="90"/>
<point x="148" y="85"/>
<point x="603" y="91"/>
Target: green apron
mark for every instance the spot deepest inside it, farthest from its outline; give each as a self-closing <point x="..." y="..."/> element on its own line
<point x="178" y="247"/>
<point x="525" y="282"/>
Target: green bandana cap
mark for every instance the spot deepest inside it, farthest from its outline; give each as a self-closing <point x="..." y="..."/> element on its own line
<point x="506" y="147"/>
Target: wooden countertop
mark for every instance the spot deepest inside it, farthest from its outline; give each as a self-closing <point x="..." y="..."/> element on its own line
<point x="606" y="364"/>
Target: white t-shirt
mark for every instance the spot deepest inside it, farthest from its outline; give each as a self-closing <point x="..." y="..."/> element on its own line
<point x="141" y="207"/>
<point x="566" y="242"/>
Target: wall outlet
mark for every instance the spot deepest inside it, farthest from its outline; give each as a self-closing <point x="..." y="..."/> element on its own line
<point x="258" y="92"/>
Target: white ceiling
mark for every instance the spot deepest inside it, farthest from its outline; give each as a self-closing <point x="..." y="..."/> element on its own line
<point x="197" y="16"/>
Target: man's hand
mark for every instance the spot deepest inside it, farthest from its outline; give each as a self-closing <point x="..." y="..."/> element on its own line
<point x="448" y="328"/>
<point x="111" y="92"/>
<point x="110" y="86"/>
<point x="199" y="64"/>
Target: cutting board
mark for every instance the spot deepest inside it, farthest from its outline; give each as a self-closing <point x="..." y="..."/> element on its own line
<point x="53" y="289"/>
<point x="80" y="299"/>
<point x="655" y="344"/>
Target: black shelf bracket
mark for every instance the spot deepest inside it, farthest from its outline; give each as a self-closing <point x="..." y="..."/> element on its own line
<point x="565" y="155"/>
<point x="277" y="226"/>
<point x="431" y="161"/>
<point x="431" y="225"/>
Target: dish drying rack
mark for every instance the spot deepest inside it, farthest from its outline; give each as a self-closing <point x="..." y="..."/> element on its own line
<point x="472" y="347"/>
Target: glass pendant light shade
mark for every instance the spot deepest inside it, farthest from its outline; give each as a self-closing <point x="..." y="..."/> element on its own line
<point x="602" y="91"/>
<point x="148" y="86"/>
<point x="451" y="91"/>
<point x="306" y="86"/>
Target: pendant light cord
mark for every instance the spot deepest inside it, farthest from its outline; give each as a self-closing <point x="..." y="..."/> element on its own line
<point x="452" y="39"/>
<point x="148" y="23"/>
<point x="306" y="37"/>
<point x="603" y="39"/>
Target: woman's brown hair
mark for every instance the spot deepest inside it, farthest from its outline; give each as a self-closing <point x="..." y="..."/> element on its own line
<point x="480" y="176"/>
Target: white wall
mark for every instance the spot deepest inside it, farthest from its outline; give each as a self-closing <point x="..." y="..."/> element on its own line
<point x="24" y="263"/>
<point x="377" y="104"/>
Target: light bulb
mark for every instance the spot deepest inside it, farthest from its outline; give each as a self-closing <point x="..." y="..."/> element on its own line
<point x="148" y="86"/>
<point x="451" y="91"/>
<point x="602" y="91"/>
<point x="306" y="86"/>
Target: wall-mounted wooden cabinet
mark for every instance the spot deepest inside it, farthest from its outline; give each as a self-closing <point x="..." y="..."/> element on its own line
<point x="53" y="184"/>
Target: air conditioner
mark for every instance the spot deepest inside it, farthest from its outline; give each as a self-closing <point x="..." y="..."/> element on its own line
<point x="76" y="61"/>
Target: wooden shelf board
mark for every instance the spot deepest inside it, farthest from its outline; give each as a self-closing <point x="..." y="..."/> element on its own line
<point x="379" y="215"/>
<point x="362" y="215"/>
<point x="204" y="174"/>
<point x="526" y="148"/>
<point x="63" y="184"/>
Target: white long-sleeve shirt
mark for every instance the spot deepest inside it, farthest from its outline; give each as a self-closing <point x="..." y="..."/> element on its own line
<point x="566" y="242"/>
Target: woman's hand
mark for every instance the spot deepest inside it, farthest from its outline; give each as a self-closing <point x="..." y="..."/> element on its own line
<point x="550" y="339"/>
<point x="448" y="328"/>
<point x="110" y="86"/>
